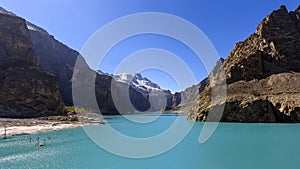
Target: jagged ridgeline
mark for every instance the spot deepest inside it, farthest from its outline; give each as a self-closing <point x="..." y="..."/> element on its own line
<point x="25" y="89"/>
<point x="263" y="74"/>
<point x="36" y="75"/>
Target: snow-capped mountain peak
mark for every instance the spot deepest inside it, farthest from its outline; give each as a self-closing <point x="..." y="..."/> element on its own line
<point x="136" y="80"/>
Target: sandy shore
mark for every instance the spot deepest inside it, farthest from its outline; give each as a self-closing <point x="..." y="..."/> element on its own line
<point x="30" y="126"/>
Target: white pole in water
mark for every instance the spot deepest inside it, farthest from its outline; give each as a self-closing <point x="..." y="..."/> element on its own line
<point x="4" y="131"/>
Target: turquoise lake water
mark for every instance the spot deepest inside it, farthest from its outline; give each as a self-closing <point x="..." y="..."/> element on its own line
<point x="232" y="146"/>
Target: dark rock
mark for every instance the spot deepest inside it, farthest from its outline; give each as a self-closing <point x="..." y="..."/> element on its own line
<point x="274" y="48"/>
<point x="15" y="45"/>
<point x="60" y="60"/>
<point x="186" y="98"/>
<point x="262" y="75"/>
<point x="112" y="97"/>
<point x="182" y="101"/>
<point x="56" y="58"/>
<point x="26" y="90"/>
<point x="29" y="92"/>
<point x="256" y="101"/>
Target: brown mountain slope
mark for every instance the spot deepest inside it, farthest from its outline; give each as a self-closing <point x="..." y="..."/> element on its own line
<point x="262" y="74"/>
<point x="25" y="89"/>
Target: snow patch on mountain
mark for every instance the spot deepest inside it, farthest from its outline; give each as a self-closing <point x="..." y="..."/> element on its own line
<point x="30" y="25"/>
<point x="136" y="80"/>
<point x="104" y="73"/>
<point x="33" y="27"/>
<point x="4" y="11"/>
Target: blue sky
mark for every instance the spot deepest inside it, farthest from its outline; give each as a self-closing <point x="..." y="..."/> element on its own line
<point x="73" y="22"/>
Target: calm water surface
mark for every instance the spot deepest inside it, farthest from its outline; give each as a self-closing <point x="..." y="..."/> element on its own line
<point x="233" y="146"/>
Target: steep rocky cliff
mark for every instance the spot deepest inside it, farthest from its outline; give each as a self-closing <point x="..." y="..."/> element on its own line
<point x="25" y="89"/>
<point x="273" y="48"/>
<point x="55" y="58"/>
<point x="29" y="92"/>
<point x="262" y="74"/>
<point x="16" y="48"/>
<point x="184" y="100"/>
<point x="58" y="59"/>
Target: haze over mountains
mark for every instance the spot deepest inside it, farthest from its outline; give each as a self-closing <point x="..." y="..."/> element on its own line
<point x="262" y="73"/>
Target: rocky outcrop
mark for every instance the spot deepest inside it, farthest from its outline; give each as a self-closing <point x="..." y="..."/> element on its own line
<point x="183" y="101"/>
<point x="26" y="90"/>
<point x="141" y="89"/>
<point x="112" y="97"/>
<point x="55" y="58"/>
<point x="255" y="101"/>
<point x="274" y="48"/>
<point x="15" y="45"/>
<point x="262" y="74"/>
<point x="58" y="59"/>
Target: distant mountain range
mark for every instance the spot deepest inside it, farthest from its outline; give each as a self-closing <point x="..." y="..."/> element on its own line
<point x="26" y="45"/>
<point x="262" y="75"/>
<point x="136" y="81"/>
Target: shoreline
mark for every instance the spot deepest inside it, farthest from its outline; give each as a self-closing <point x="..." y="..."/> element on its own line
<point x="15" y="127"/>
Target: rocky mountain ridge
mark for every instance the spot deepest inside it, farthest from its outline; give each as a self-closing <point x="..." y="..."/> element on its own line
<point x="184" y="100"/>
<point x="59" y="60"/>
<point x="136" y="80"/>
<point x="262" y="74"/>
<point x="26" y="90"/>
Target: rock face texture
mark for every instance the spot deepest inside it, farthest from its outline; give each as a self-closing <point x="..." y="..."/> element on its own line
<point x="112" y="95"/>
<point x="274" y="48"/>
<point x="183" y="101"/>
<point x="59" y="60"/>
<point x="25" y="89"/>
<point x="29" y="92"/>
<point x="140" y="87"/>
<point x="262" y="74"/>
<point x="16" y="48"/>
<point x="55" y="58"/>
